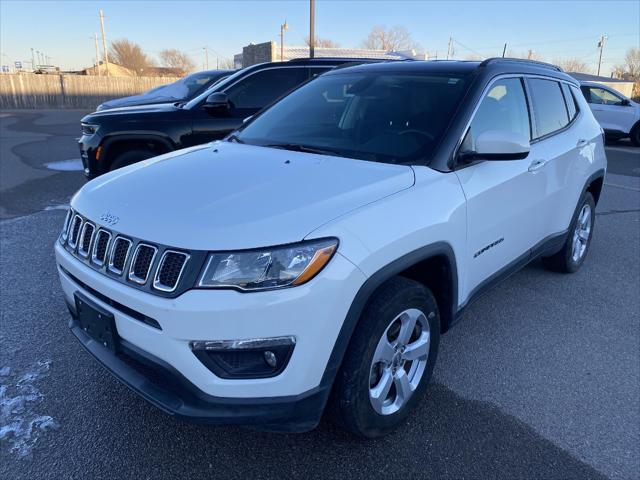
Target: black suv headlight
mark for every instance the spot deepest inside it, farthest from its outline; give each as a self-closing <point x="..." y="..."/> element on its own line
<point x="276" y="267"/>
<point x="89" y="129"/>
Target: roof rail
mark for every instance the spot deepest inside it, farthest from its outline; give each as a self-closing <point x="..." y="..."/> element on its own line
<point x="489" y="61"/>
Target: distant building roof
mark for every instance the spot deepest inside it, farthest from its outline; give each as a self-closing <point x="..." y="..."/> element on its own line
<point x="303" y="52"/>
<point x="587" y="77"/>
<point x="115" y="70"/>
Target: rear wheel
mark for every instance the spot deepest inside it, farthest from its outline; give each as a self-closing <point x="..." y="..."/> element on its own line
<point x="576" y="246"/>
<point x="635" y="135"/>
<point x="130" y="157"/>
<point x="390" y="359"/>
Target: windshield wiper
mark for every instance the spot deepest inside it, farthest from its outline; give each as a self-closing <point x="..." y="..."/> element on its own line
<point x="234" y="138"/>
<point x="296" y="147"/>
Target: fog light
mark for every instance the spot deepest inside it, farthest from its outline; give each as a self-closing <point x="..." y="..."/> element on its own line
<point x="253" y="358"/>
<point x="270" y="358"/>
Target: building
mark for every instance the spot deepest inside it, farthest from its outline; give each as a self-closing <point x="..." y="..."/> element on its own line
<point x="115" y="70"/>
<point x="270" y="52"/>
<point x="625" y="87"/>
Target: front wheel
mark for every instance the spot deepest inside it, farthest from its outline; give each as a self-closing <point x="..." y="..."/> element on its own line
<point x="576" y="246"/>
<point x="390" y="359"/>
<point x="635" y="135"/>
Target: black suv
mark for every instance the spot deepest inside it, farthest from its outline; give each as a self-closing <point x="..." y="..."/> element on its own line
<point x="121" y="136"/>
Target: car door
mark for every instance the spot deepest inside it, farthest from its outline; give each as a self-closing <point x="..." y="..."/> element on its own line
<point x="504" y="218"/>
<point x="614" y="113"/>
<point x="247" y="96"/>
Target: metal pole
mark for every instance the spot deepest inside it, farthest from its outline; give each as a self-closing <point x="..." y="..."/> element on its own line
<point x="603" y="39"/>
<point x="95" y="37"/>
<point x="312" y="28"/>
<point x="449" y="48"/>
<point x="504" y="50"/>
<point x="33" y="61"/>
<point x="206" y="58"/>
<point x="281" y="43"/>
<point x="104" y="44"/>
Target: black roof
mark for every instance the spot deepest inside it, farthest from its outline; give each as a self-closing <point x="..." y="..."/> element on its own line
<point x="492" y="67"/>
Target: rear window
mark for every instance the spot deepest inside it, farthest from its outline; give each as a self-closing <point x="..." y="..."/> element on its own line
<point x="548" y="106"/>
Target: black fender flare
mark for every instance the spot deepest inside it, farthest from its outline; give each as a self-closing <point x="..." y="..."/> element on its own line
<point x="367" y="290"/>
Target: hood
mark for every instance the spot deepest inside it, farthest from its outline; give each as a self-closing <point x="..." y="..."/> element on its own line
<point x="136" y="100"/>
<point x="227" y="196"/>
<point x="151" y="109"/>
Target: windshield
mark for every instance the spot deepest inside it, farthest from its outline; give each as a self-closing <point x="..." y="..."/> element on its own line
<point x="186" y="87"/>
<point x="214" y="88"/>
<point x="392" y="118"/>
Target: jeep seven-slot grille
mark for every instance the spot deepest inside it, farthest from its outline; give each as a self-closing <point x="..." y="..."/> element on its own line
<point x="141" y="263"/>
<point x="106" y="250"/>
<point x="100" y="246"/>
<point x="119" y="254"/>
<point x="85" y="239"/>
<point x="170" y="270"/>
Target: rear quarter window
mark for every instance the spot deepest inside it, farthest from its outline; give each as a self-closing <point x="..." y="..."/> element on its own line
<point x="572" y="106"/>
<point x="550" y="110"/>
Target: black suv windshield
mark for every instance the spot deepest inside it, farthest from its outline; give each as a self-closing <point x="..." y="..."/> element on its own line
<point x="384" y="117"/>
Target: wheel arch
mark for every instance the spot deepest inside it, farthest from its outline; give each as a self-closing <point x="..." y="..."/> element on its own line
<point x="415" y="265"/>
<point x="594" y="185"/>
<point x="115" y="144"/>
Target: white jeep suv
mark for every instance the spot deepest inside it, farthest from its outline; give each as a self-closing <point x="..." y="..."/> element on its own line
<point x="315" y="256"/>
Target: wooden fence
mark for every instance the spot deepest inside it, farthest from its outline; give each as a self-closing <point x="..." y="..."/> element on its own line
<point x="70" y="91"/>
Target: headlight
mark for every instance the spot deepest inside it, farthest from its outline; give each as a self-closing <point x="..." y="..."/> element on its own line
<point x="88" y="129"/>
<point x="276" y="267"/>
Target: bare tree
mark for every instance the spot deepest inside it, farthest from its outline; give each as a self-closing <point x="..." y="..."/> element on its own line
<point x="322" y="42"/>
<point x="226" y="64"/>
<point x="394" y="39"/>
<point x="572" y="65"/>
<point x="630" y="70"/>
<point x="178" y="61"/>
<point x="129" y="55"/>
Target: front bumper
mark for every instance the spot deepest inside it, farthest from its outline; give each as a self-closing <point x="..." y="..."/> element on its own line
<point x="293" y="400"/>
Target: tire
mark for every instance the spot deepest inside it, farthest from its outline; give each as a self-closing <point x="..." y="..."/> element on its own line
<point x="130" y="157"/>
<point x="570" y="258"/>
<point x="360" y="377"/>
<point x="635" y="135"/>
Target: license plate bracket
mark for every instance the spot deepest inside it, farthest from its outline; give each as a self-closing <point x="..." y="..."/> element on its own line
<point x="96" y="322"/>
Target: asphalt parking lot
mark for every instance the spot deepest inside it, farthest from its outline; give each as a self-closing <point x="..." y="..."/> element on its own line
<point x="540" y="380"/>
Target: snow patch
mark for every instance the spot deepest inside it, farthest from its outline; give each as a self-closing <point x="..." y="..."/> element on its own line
<point x="20" y="426"/>
<point x="71" y="165"/>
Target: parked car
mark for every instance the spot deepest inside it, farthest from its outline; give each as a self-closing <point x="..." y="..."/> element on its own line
<point x="118" y="137"/>
<point x="182" y="90"/>
<point x="618" y="115"/>
<point x="316" y="255"/>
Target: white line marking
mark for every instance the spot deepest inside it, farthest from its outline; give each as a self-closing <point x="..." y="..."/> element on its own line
<point x="626" y="187"/>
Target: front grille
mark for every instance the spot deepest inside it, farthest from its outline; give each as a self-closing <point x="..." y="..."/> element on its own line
<point x="74" y="232"/>
<point x="100" y="247"/>
<point x="141" y="263"/>
<point x="85" y="239"/>
<point x="119" y="254"/>
<point x="129" y="260"/>
<point x="170" y="270"/>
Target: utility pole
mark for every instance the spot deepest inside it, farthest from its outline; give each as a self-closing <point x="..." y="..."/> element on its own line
<point x="95" y="37"/>
<point x="312" y="28"/>
<point x="206" y="57"/>
<point x="104" y="44"/>
<point x="33" y="61"/>
<point x="449" y="48"/>
<point x="504" y="50"/>
<point x="283" y="27"/>
<point x="529" y="54"/>
<point x="601" y="42"/>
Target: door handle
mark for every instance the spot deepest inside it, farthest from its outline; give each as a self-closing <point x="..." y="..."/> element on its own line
<point x="581" y="143"/>
<point x="537" y="165"/>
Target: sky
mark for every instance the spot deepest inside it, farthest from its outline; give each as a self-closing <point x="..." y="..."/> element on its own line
<point x="63" y="30"/>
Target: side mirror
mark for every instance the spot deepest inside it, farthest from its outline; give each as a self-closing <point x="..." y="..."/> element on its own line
<point x="625" y="102"/>
<point x="217" y="103"/>
<point x="499" y="145"/>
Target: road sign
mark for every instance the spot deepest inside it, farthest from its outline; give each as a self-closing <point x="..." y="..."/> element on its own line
<point x="5" y="69"/>
<point x="18" y="65"/>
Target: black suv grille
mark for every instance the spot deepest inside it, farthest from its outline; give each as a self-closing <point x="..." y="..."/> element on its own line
<point x="141" y="264"/>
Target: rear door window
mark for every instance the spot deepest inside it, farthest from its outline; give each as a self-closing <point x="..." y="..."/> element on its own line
<point x="600" y="96"/>
<point x="572" y="107"/>
<point x="260" y="89"/>
<point x="549" y="109"/>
